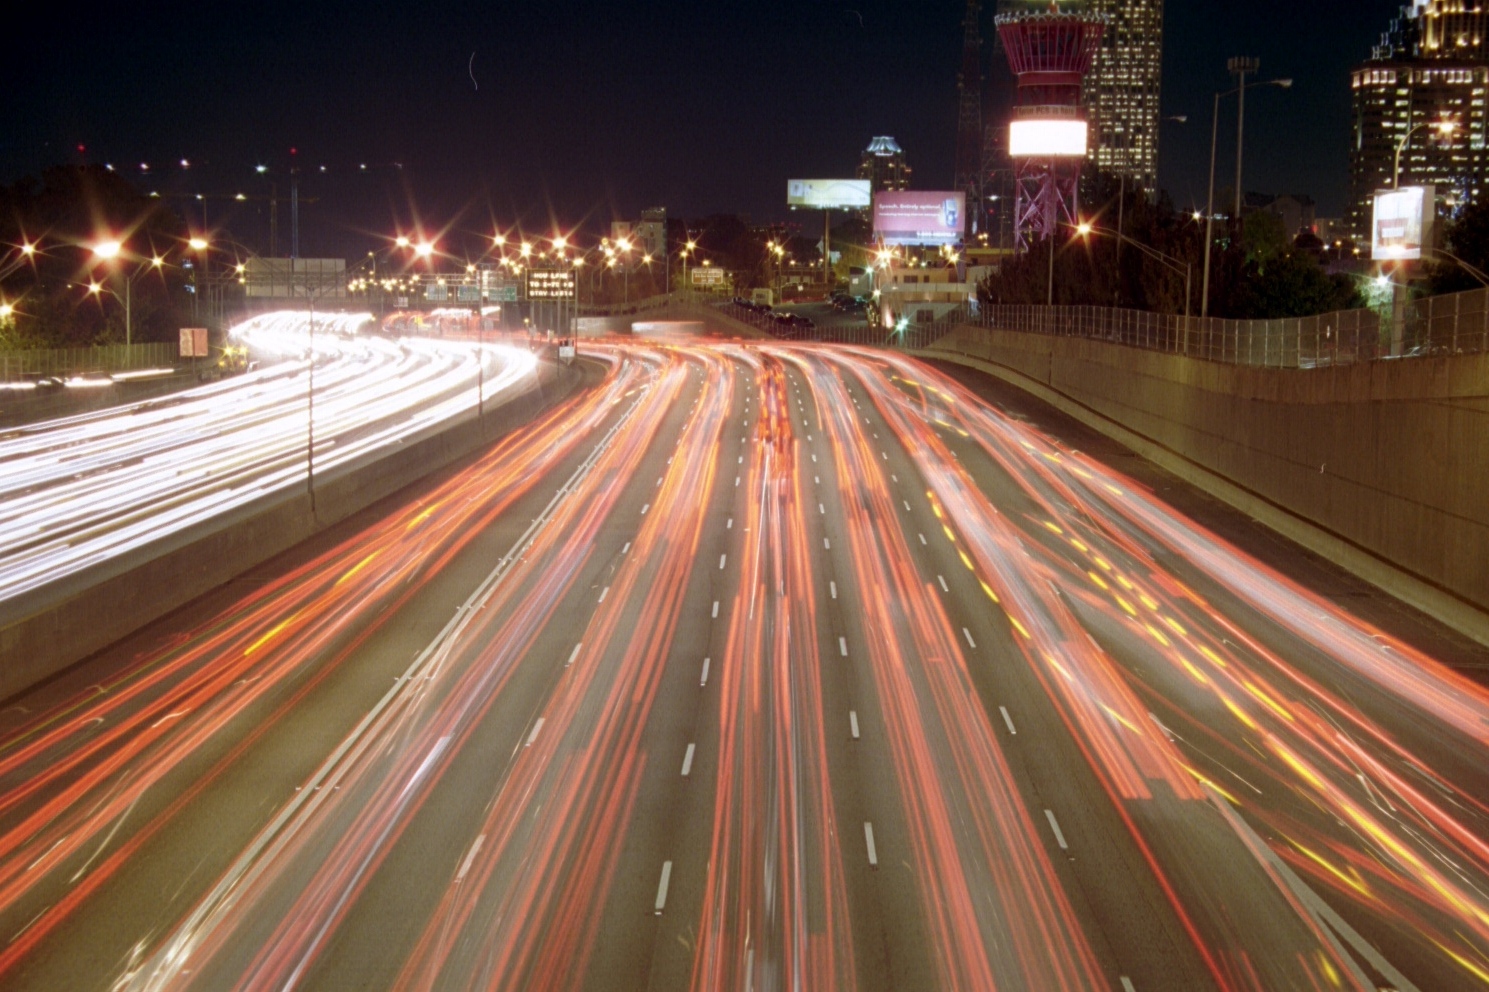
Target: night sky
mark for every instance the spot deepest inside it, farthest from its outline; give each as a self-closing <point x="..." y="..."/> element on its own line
<point x="583" y="111"/>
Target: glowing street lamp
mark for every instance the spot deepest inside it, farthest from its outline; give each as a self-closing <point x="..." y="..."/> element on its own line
<point x="424" y="249"/>
<point x="401" y="241"/>
<point x="107" y="250"/>
<point x="198" y="244"/>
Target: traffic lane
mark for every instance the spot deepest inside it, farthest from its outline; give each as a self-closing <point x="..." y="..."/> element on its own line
<point x="1131" y="924"/>
<point x="191" y="831"/>
<point x="288" y="900"/>
<point x="1304" y="567"/>
<point x="1316" y="748"/>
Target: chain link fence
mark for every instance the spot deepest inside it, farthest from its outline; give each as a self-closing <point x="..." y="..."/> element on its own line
<point x="1454" y="324"/>
<point x="40" y="362"/>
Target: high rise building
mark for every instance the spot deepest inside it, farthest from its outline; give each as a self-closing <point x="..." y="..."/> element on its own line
<point x="1431" y="66"/>
<point x="1122" y="92"/>
<point x="883" y="165"/>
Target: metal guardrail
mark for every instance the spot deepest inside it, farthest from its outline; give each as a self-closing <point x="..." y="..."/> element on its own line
<point x="16" y="365"/>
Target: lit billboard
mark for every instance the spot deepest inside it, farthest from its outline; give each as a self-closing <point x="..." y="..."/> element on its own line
<point x="829" y="194"/>
<point x="920" y="218"/>
<point x="1062" y="138"/>
<point x="1403" y="223"/>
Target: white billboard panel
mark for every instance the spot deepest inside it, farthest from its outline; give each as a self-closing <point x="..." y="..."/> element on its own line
<point x="1062" y="138"/>
<point x="1403" y="222"/>
<point x="829" y="194"/>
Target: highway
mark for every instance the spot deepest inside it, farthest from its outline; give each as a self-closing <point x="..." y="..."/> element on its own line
<point x="79" y="492"/>
<point x="759" y="666"/>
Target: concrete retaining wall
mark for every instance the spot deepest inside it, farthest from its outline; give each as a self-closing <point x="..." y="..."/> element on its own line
<point x="48" y="632"/>
<point x="1389" y="457"/>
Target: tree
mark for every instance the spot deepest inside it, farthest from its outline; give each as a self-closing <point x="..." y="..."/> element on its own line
<point x="64" y="212"/>
<point x="1468" y="238"/>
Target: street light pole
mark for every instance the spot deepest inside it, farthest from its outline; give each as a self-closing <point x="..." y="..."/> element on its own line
<point x="1444" y="127"/>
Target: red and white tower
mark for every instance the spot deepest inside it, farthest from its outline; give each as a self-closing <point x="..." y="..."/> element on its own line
<point x="1050" y="52"/>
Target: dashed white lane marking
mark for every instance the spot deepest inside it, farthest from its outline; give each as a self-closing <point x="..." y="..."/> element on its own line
<point x="907" y="505"/>
<point x="626" y="549"/>
<point x="968" y="635"/>
<point x="826" y="544"/>
<point x="1127" y="985"/>
<point x="603" y="593"/>
<point x="922" y="538"/>
<point x="741" y="459"/>
<point x="645" y="508"/>
<point x="853" y="723"/>
<point x="868" y="838"/>
<point x="534" y="735"/>
<point x="662" y="887"/>
<point x="894" y="477"/>
<point x="843" y="646"/>
<point x="704" y="680"/>
<point x="687" y="761"/>
<point x="736" y="481"/>
<point x="944" y="587"/>
<point x="722" y="560"/>
<point x="659" y="480"/>
<point x="814" y="458"/>
<point x="474" y="850"/>
<point x="575" y="656"/>
<point x="821" y="509"/>
<point x="716" y="609"/>
<point x="834" y="587"/>
<point x="1007" y="719"/>
<point x="809" y="438"/>
<point x="730" y="524"/>
<point x="817" y="479"/>
<point x="885" y="454"/>
<point x="1059" y="834"/>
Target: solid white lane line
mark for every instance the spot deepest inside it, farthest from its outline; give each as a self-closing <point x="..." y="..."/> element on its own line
<point x="474" y="850"/>
<point x="716" y="609"/>
<point x="1007" y="719"/>
<point x="575" y="656"/>
<point x="922" y="538"/>
<point x="704" y="681"/>
<point x="868" y="837"/>
<point x="834" y="587"/>
<point x="944" y="587"/>
<point x="853" y="723"/>
<point x="1127" y="985"/>
<point x="722" y="560"/>
<point x="968" y="635"/>
<point x="534" y="735"/>
<point x="662" y="887"/>
<point x="603" y="593"/>
<point x="687" y="761"/>
<point x="843" y="646"/>
<point x="1059" y="834"/>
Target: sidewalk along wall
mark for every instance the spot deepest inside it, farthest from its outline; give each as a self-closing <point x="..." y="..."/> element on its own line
<point x="1390" y="456"/>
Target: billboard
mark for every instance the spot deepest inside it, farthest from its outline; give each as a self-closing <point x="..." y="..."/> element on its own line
<point x="1063" y="138"/>
<point x="1403" y="223"/>
<point x="920" y="218"/>
<point x="194" y="343"/>
<point x="707" y="278"/>
<point x="295" y="278"/>
<point x="829" y="194"/>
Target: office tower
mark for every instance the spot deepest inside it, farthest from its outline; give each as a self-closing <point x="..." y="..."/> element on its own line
<point x="1122" y="91"/>
<point x="1422" y="98"/>
<point x="883" y="165"/>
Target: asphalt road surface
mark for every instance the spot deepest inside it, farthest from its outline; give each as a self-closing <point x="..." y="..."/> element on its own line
<point x="764" y="667"/>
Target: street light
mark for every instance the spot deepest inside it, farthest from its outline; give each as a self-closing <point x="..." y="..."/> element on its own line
<point x="1444" y="128"/>
<point x="1204" y="310"/>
